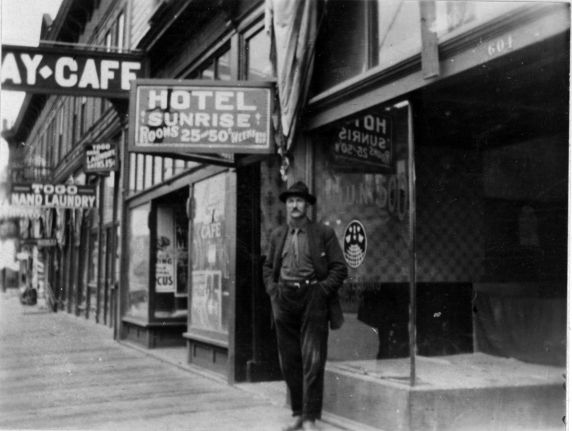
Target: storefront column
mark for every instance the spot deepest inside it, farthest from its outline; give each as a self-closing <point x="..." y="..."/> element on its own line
<point x="123" y="290"/>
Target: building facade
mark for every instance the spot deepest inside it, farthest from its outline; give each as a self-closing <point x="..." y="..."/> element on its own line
<point x="434" y="135"/>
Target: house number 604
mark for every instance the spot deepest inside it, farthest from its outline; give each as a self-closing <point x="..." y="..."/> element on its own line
<point x="499" y="45"/>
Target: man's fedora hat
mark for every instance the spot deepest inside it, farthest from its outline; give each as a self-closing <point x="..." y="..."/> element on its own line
<point x="298" y="189"/>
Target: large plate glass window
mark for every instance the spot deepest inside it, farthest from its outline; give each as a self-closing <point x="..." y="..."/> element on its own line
<point x="363" y="169"/>
<point x="212" y="257"/>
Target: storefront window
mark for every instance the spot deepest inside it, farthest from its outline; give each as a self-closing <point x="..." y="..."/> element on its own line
<point x="211" y="276"/>
<point x="362" y="170"/>
<point x="138" y="269"/>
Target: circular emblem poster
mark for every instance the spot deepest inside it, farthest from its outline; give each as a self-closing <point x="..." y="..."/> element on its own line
<point x="355" y="244"/>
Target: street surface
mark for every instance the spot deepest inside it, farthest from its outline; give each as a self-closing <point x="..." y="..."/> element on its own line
<point x="58" y="371"/>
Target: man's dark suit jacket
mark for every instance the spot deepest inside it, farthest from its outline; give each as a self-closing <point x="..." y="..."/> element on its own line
<point x="327" y="258"/>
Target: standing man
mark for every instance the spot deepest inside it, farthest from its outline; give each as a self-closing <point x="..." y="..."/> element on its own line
<point x="303" y="271"/>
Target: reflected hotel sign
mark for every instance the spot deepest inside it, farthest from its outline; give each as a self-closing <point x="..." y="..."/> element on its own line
<point x="366" y="143"/>
<point x="200" y="117"/>
<point x="56" y="70"/>
<point x="53" y="195"/>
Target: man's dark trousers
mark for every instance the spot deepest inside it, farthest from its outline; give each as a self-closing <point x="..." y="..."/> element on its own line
<point x="301" y="319"/>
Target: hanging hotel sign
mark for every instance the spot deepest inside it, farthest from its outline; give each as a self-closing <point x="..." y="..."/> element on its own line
<point x="100" y="157"/>
<point x="365" y="142"/>
<point x="53" y="195"/>
<point x="200" y="117"/>
<point x="56" y="70"/>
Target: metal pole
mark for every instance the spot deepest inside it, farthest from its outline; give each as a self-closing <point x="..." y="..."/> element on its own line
<point x="412" y="250"/>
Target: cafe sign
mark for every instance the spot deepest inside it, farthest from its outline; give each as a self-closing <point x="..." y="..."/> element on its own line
<point x="53" y="195"/>
<point x="100" y="157"/>
<point x="200" y="117"/>
<point x="365" y="143"/>
<point x="58" y="70"/>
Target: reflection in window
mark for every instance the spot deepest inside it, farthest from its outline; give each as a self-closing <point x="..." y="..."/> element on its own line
<point x="258" y="57"/>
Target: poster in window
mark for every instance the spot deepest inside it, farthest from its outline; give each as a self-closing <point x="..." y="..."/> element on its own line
<point x="206" y="309"/>
<point x="165" y="273"/>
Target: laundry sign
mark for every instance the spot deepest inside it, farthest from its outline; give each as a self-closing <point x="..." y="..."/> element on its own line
<point x="197" y="116"/>
<point x="53" y="195"/>
<point x="100" y="157"/>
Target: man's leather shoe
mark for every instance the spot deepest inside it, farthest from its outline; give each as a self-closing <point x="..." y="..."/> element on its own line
<point x="295" y="425"/>
<point x="309" y="426"/>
